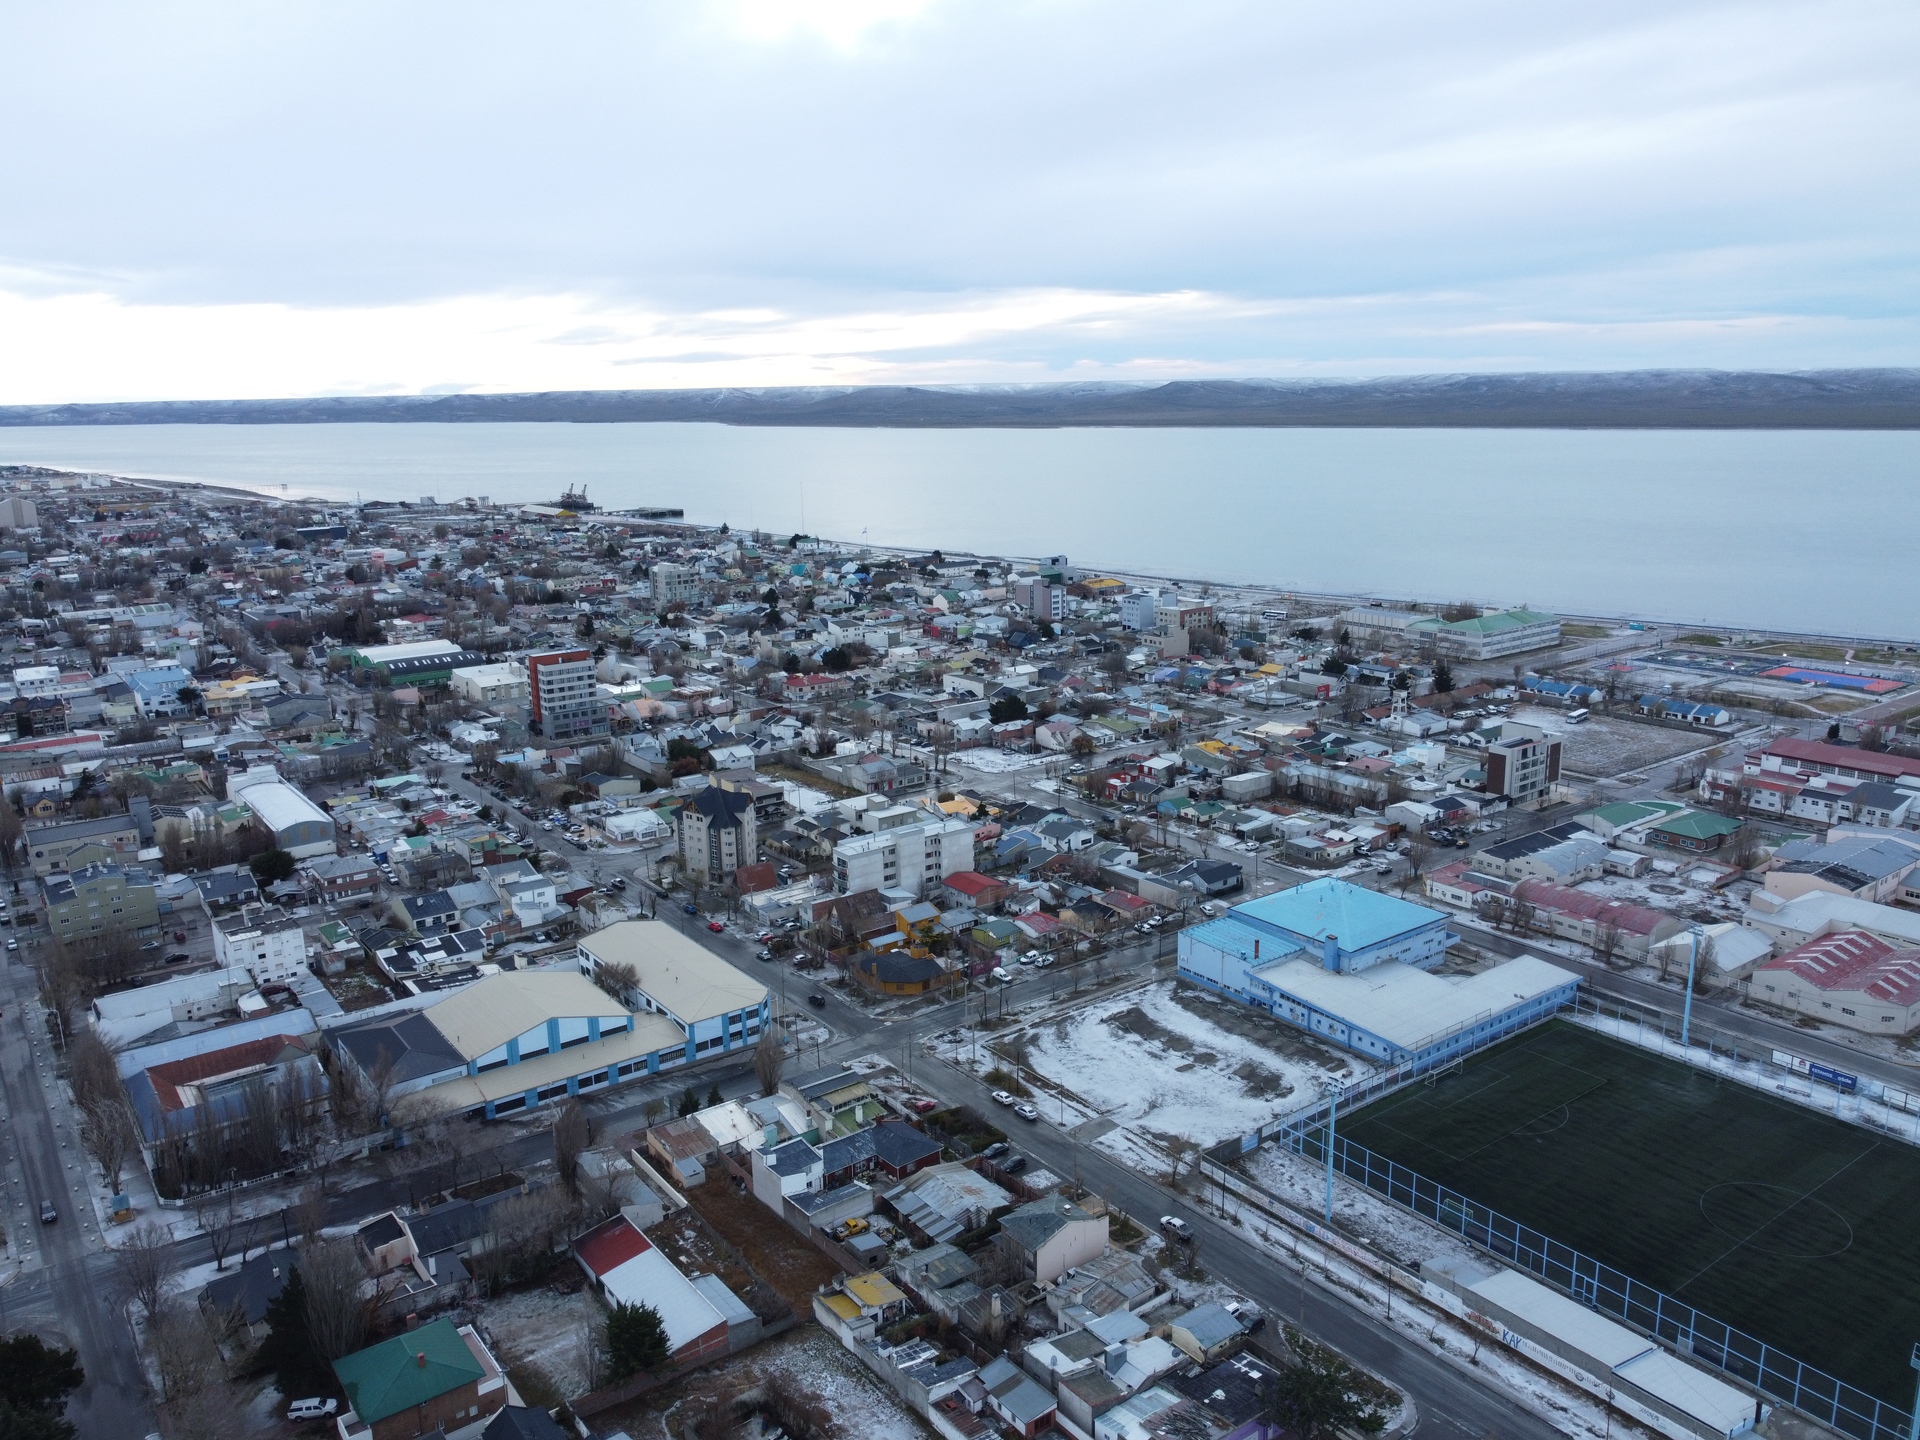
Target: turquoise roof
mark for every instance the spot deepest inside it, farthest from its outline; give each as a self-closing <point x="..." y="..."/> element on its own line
<point x="1359" y="918"/>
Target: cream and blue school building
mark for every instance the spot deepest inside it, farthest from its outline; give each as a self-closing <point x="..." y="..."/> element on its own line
<point x="1353" y="967"/>
<point x="516" y="1040"/>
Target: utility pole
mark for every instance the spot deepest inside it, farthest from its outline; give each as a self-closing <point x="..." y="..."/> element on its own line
<point x="1686" y="1009"/>
<point x="1333" y="1112"/>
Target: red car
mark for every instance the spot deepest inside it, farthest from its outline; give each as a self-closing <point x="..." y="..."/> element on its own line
<point x="715" y="926"/>
<point x="925" y="1107"/>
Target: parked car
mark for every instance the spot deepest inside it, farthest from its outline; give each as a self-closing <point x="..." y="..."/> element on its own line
<point x="1176" y="1227"/>
<point x="1247" y="1313"/>
<point x="715" y="926"/>
<point x="619" y="882"/>
<point x="691" y="909"/>
<point x="1013" y="1164"/>
<point x="817" y="1000"/>
<point x="1026" y="1112"/>
<point x="151" y="945"/>
<point x="1001" y="1097"/>
<point x="764" y="955"/>
<point x="923" y="1106"/>
<point x="995" y="1151"/>
<point x="1043" y="962"/>
<point x="314" y="1409"/>
<point x="178" y="957"/>
<point x="47" y="1213"/>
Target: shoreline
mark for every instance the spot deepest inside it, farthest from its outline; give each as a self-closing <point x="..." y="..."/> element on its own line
<point x="1618" y="621"/>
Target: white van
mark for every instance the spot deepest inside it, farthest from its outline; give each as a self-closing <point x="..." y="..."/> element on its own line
<point x="999" y="976"/>
<point x="315" y="1409"/>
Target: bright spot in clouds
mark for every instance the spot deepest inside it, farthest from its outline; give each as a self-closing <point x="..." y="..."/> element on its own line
<point x="205" y="200"/>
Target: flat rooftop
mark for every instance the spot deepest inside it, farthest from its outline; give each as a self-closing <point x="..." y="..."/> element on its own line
<point x="1407" y="1007"/>
<point x="1359" y="918"/>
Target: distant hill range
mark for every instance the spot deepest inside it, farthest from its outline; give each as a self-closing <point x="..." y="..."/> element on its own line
<point x="1613" y="400"/>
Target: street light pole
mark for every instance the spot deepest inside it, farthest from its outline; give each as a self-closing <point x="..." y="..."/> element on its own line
<point x="1333" y="1115"/>
<point x="1686" y="1009"/>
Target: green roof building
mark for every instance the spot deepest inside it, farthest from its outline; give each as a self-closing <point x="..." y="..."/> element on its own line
<point x="433" y="1377"/>
<point x="1695" y="831"/>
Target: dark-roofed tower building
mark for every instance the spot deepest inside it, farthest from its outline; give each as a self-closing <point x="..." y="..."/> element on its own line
<point x="715" y="833"/>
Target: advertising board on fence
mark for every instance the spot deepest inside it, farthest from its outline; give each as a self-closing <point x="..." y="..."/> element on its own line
<point x="1813" y="1070"/>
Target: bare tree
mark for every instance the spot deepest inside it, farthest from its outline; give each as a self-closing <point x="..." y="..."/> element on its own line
<point x="218" y="1218"/>
<point x="309" y="1214"/>
<point x="603" y="1193"/>
<point x="617" y="978"/>
<point x="769" y="1059"/>
<point x="186" y="1352"/>
<point x="1183" y="1156"/>
<point x="655" y="1111"/>
<point x="1520" y="913"/>
<point x="570" y="1141"/>
<point x="106" y="1131"/>
<point x="145" y="1263"/>
<point x="91" y="1071"/>
<point x="339" y="1296"/>
<point x="63" y="989"/>
<point x="1606" y="941"/>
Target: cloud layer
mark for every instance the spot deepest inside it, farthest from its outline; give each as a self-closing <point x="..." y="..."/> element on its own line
<point x="214" y="200"/>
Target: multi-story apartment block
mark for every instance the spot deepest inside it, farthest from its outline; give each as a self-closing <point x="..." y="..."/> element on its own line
<point x="263" y="940"/>
<point x="97" y="901"/>
<point x="716" y="833"/>
<point x="564" y="698"/>
<point x="1523" y="763"/>
<point x="673" y="584"/>
<point x="913" y="858"/>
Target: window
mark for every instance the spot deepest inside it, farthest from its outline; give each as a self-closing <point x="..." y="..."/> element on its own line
<point x="1845" y="1011"/>
<point x="516" y="1103"/>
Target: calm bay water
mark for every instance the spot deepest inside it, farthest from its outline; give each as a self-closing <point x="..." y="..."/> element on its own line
<point x="1801" y="530"/>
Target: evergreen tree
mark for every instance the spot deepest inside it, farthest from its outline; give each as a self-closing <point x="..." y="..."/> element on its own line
<point x="35" y="1380"/>
<point x="689" y="1101"/>
<point x="636" y="1339"/>
<point x="288" y="1351"/>
<point x="713" y="1095"/>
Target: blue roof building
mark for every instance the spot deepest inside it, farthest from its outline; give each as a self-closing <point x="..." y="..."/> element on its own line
<point x="1350" y="966"/>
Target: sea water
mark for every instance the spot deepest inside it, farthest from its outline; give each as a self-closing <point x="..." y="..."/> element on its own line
<point x="1809" y="531"/>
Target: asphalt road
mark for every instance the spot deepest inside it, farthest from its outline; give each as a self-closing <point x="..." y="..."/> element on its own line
<point x="65" y="1288"/>
<point x="1450" y="1405"/>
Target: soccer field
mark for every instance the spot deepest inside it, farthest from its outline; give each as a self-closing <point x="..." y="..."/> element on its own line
<point x="1784" y="1223"/>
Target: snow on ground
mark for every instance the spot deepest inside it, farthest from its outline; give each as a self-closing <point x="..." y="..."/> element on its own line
<point x="997" y="762"/>
<point x="862" y="1408"/>
<point x="537" y="1330"/>
<point x="1356" y="1210"/>
<point x="804" y="798"/>
<point x="1147" y="1061"/>
<point x="1566" y="1407"/>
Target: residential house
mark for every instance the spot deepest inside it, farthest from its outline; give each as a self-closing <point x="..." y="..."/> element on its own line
<point x="437" y="1377"/>
<point x="1051" y="1236"/>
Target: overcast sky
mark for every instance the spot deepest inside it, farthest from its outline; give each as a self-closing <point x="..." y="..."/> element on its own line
<point x="240" y="200"/>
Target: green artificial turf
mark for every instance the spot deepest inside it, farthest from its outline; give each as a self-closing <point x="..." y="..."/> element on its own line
<point x="1790" y="1225"/>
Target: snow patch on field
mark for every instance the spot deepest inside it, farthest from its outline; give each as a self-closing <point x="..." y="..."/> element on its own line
<point x="1146" y="1060"/>
<point x="538" y="1330"/>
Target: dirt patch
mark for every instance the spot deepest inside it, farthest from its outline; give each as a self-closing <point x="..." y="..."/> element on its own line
<point x="784" y="1259"/>
<point x="1262" y="1082"/>
<point x="1135" y="1021"/>
<point x="1251" y="1024"/>
<point x="813" y="1366"/>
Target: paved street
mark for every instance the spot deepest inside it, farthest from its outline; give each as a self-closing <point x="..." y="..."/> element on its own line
<point x="65" y="1288"/>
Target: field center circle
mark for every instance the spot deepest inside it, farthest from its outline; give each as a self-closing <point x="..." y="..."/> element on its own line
<point x="1744" y="1210"/>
